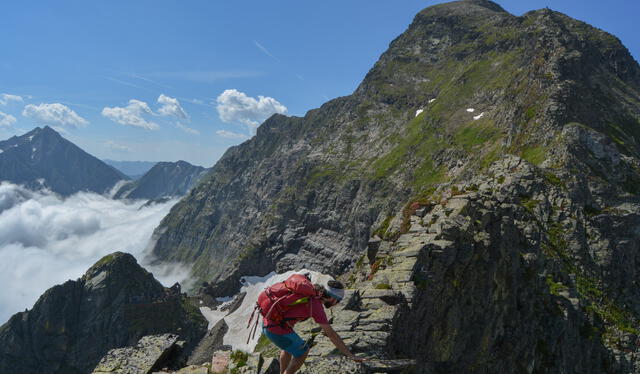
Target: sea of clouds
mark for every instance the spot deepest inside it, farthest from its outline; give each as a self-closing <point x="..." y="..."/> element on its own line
<point x="46" y="240"/>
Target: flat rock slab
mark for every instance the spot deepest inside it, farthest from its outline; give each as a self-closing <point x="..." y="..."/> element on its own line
<point x="193" y="370"/>
<point x="141" y="359"/>
<point x="220" y="361"/>
<point x="388" y="366"/>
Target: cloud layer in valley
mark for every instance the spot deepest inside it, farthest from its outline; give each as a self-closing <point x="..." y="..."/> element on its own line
<point x="45" y="240"/>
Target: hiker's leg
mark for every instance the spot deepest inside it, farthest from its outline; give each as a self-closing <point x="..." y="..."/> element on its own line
<point x="285" y="358"/>
<point x="296" y="363"/>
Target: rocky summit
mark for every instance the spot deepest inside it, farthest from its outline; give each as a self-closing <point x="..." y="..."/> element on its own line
<point x="115" y="303"/>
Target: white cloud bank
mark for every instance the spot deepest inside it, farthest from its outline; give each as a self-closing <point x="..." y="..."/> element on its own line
<point x="7" y="98"/>
<point x="55" y="113"/>
<point x="235" y="106"/>
<point x="45" y="240"/>
<point x="131" y="115"/>
<point x="7" y="120"/>
<point x="171" y="107"/>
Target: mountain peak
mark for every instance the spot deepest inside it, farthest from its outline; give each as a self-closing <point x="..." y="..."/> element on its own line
<point x="482" y="8"/>
<point x="43" y="154"/>
<point x="116" y="260"/>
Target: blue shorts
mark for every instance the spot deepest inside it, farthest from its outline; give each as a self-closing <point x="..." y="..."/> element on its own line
<point x="291" y="343"/>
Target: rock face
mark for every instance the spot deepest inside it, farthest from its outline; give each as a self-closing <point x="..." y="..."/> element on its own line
<point x="508" y="272"/>
<point x="466" y="83"/>
<point x="113" y="305"/>
<point x="165" y="179"/>
<point x="42" y="158"/>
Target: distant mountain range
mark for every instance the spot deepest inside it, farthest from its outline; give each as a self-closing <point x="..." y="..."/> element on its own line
<point x="163" y="180"/>
<point x="43" y="158"/>
<point x="133" y="169"/>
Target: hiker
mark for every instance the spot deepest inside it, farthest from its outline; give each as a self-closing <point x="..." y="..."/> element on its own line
<point x="299" y="299"/>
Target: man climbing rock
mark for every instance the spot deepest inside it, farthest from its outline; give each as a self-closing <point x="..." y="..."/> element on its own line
<point x="296" y="299"/>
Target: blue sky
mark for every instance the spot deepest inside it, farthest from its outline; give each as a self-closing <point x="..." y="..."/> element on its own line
<point x="143" y="80"/>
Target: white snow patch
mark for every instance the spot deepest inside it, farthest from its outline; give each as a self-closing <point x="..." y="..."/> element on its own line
<point x="238" y="332"/>
<point x="478" y="116"/>
<point x="470" y="110"/>
<point x="419" y="111"/>
<point x="31" y="137"/>
<point x="432" y="100"/>
<point x="1" y="151"/>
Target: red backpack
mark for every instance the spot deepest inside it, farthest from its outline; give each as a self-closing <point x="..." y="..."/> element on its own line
<point x="275" y="300"/>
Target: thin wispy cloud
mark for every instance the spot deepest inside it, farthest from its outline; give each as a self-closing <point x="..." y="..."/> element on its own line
<point x="143" y="78"/>
<point x="186" y="129"/>
<point x="7" y="98"/>
<point x="125" y="83"/>
<point x="194" y="101"/>
<point x="207" y="76"/>
<point x="117" y="146"/>
<point x="236" y="107"/>
<point x="171" y="107"/>
<point x="264" y="50"/>
<point x="6" y="120"/>
<point x="230" y="134"/>
<point x="131" y="115"/>
<point x="54" y="114"/>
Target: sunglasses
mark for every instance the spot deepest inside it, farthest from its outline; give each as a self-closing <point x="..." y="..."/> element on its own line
<point x="331" y="302"/>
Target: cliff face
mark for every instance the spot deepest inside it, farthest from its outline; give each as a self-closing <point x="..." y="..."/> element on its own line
<point x="466" y="83"/>
<point x="74" y="324"/>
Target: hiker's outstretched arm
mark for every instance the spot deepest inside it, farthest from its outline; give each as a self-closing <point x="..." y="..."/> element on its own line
<point x="337" y="341"/>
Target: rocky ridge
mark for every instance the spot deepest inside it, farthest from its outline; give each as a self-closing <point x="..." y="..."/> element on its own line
<point x="466" y="83"/>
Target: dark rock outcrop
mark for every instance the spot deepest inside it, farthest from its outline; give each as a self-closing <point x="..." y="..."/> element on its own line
<point x="212" y="341"/>
<point x="165" y="179"/>
<point x="42" y="158"/>
<point x="151" y="353"/>
<point x="73" y="325"/>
